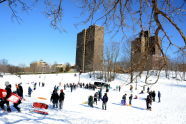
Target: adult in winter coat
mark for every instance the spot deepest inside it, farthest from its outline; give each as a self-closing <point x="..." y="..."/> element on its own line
<point x="105" y="100"/>
<point x="148" y="102"/>
<point x="19" y="90"/>
<point x="54" y="99"/>
<point x="96" y="97"/>
<point x="119" y="88"/>
<point x="153" y="94"/>
<point x="159" y="96"/>
<point x="61" y="99"/>
<point x="130" y="99"/>
<point x="29" y="91"/>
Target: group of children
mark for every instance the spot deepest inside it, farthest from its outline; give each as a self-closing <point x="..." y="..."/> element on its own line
<point x="4" y="101"/>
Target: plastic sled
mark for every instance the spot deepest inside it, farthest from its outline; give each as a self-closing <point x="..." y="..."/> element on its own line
<point x="40" y="112"/>
<point x="40" y="105"/>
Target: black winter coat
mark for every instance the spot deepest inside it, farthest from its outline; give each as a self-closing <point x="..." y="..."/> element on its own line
<point x="105" y="99"/>
<point x="19" y="91"/>
<point x="61" y="96"/>
<point x="54" y="98"/>
<point x="148" y="100"/>
<point x="9" y="91"/>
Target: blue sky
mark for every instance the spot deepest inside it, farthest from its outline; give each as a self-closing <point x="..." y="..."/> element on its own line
<point x="34" y="39"/>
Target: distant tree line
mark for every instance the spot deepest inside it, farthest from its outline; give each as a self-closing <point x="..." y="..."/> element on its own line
<point x="22" y="69"/>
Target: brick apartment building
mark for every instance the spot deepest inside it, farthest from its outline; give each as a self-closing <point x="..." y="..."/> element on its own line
<point x="145" y="52"/>
<point x="89" y="49"/>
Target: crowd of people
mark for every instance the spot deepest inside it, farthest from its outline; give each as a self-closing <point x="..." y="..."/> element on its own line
<point x="58" y="95"/>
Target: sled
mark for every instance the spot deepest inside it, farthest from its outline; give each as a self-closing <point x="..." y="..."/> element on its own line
<point x="42" y="98"/>
<point x="2" y="93"/>
<point x="13" y="97"/>
<point x="85" y="102"/>
<point x="123" y="102"/>
<point x="40" y="105"/>
<point x="40" y="112"/>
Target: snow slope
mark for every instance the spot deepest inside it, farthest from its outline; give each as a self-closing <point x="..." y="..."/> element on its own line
<point x="171" y="110"/>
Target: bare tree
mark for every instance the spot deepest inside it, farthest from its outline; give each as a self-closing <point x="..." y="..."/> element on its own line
<point x="112" y="53"/>
<point x="3" y="65"/>
<point x="53" y="10"/>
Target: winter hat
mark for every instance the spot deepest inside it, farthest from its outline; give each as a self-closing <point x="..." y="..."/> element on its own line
<point x="7" y="83"/>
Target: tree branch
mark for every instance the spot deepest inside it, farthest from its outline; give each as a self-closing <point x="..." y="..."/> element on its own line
<point x="2" y="1"/>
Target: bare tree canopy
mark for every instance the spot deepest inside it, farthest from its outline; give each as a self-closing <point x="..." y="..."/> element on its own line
<point x="53" y="9"/>
<point x="138" y="14"/>
<point x="119" y="15"/>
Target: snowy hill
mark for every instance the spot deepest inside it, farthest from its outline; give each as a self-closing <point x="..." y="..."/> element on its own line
<point x="171" y="109"/>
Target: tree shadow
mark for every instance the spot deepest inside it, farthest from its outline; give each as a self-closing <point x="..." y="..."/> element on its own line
<point x="42" y="119"/>
<point x="177" y="85"/>
<point x="141" y="98"/>
<point x="118" y="104"/>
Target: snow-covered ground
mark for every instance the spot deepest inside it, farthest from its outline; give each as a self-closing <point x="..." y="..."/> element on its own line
<point x="171" y="110"/>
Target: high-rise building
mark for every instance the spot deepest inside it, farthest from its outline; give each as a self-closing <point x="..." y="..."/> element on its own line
<point x="89" y="50"/>
<point x="146" y="53"/>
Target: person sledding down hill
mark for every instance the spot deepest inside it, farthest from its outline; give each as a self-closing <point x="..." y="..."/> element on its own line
<point x="54" y="99"/>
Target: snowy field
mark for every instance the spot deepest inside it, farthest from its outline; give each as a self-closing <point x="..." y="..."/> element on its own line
<point x="171" y="110"/>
